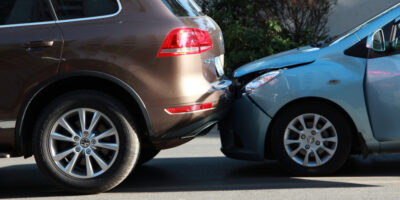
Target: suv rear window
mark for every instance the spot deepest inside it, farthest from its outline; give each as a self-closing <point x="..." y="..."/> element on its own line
<point x="183" y="8"/>
<point x="73" y="9"/>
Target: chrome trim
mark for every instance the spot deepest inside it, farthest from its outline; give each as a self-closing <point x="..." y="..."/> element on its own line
<point x="180" y="50"/>
<point x="65" y="20"/>
<point x="7" y="124"/>
<point x="222" y="84"/>
<point x="219" y="64"/>
<point x="27" y="24"/>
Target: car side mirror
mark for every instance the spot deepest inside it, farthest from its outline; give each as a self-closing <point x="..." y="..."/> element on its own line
<point x="376" y="41"/>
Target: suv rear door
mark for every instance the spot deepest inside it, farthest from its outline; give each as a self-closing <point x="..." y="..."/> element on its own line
<point x="30" y="51"/>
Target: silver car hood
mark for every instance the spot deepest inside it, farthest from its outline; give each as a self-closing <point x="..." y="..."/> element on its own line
<point x="289" y="58"/>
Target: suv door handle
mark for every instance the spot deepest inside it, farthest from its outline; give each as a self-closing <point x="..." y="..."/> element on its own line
<point x="39" y="45"/>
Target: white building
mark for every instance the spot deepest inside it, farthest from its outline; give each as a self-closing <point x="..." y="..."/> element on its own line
<point x="350" y="13"/>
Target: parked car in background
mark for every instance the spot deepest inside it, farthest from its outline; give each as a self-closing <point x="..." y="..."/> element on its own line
<point x="311" y="107"/>
<point x="92" y="88"/>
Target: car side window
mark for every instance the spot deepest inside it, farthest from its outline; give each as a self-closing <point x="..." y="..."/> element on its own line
<point x="67" y="9"/>
<point x="395" y="41"/>
<point x="379" y="41"/>
<point x="24" y="11"/>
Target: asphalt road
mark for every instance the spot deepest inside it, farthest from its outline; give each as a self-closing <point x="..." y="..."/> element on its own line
<point x="197" y="170"/>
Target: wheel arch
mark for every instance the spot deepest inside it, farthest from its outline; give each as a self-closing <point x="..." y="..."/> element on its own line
<point x="358" y="143"/>
<point x="66" y="82"/>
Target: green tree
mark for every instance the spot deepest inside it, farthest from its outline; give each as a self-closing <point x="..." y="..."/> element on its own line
<point x="258" y="28"/>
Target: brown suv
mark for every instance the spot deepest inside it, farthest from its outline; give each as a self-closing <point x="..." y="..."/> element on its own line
<point x="93" y="87"/>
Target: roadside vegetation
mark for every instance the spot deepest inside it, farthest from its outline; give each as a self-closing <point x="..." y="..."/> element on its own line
<point x="258" y="28"/>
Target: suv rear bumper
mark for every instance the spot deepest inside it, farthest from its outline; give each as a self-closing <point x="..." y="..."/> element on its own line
<point x="186" y="126"/>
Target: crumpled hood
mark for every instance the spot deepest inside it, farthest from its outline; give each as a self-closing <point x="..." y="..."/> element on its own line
<point x="289" y="58"/>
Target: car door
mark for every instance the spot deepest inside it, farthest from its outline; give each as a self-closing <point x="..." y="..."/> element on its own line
<point x="383" y="85"/>
<point x="30" y="50"/>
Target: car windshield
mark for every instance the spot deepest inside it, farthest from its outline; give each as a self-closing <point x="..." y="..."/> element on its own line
<point x="337" y="38"/>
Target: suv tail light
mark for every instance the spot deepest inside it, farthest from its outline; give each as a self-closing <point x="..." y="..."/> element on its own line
<point x="185" y="41"/>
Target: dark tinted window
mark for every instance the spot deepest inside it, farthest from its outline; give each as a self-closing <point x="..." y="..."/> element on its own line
<point x="396" y="38"/>
<point x="72" y="9"/>
<point x="23" y="11"/>
<point x="183" y="8"/>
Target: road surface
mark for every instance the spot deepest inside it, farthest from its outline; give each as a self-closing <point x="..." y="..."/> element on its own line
<point x="198" y="170"/>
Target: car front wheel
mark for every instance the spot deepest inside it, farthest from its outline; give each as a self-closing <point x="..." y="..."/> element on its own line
<point x="86" y="142"/>
<point x="311" y="139"/>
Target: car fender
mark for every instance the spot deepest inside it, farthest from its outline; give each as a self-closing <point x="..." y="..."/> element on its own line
<point x="341" y="82"/>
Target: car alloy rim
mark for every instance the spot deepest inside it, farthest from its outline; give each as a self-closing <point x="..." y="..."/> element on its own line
<point x="84" y="143"/>
<point x="310" y="140"/>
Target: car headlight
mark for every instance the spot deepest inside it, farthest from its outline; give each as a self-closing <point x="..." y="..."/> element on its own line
<point x="261" y="80"/>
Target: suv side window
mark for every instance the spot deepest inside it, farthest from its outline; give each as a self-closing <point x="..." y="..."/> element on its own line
<point x="24" y="11"/>
<point x="73" y="9"/>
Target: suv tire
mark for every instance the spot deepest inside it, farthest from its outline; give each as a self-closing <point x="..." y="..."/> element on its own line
<point x="118" y="150"/>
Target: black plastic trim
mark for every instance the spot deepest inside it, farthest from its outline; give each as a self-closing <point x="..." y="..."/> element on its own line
<point x="358" y="50"/>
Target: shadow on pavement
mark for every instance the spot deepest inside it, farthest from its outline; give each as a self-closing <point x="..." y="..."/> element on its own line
<point x="200" y="174"/>
<point x="23" y="181"/>
<point x="215" y="174"/>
